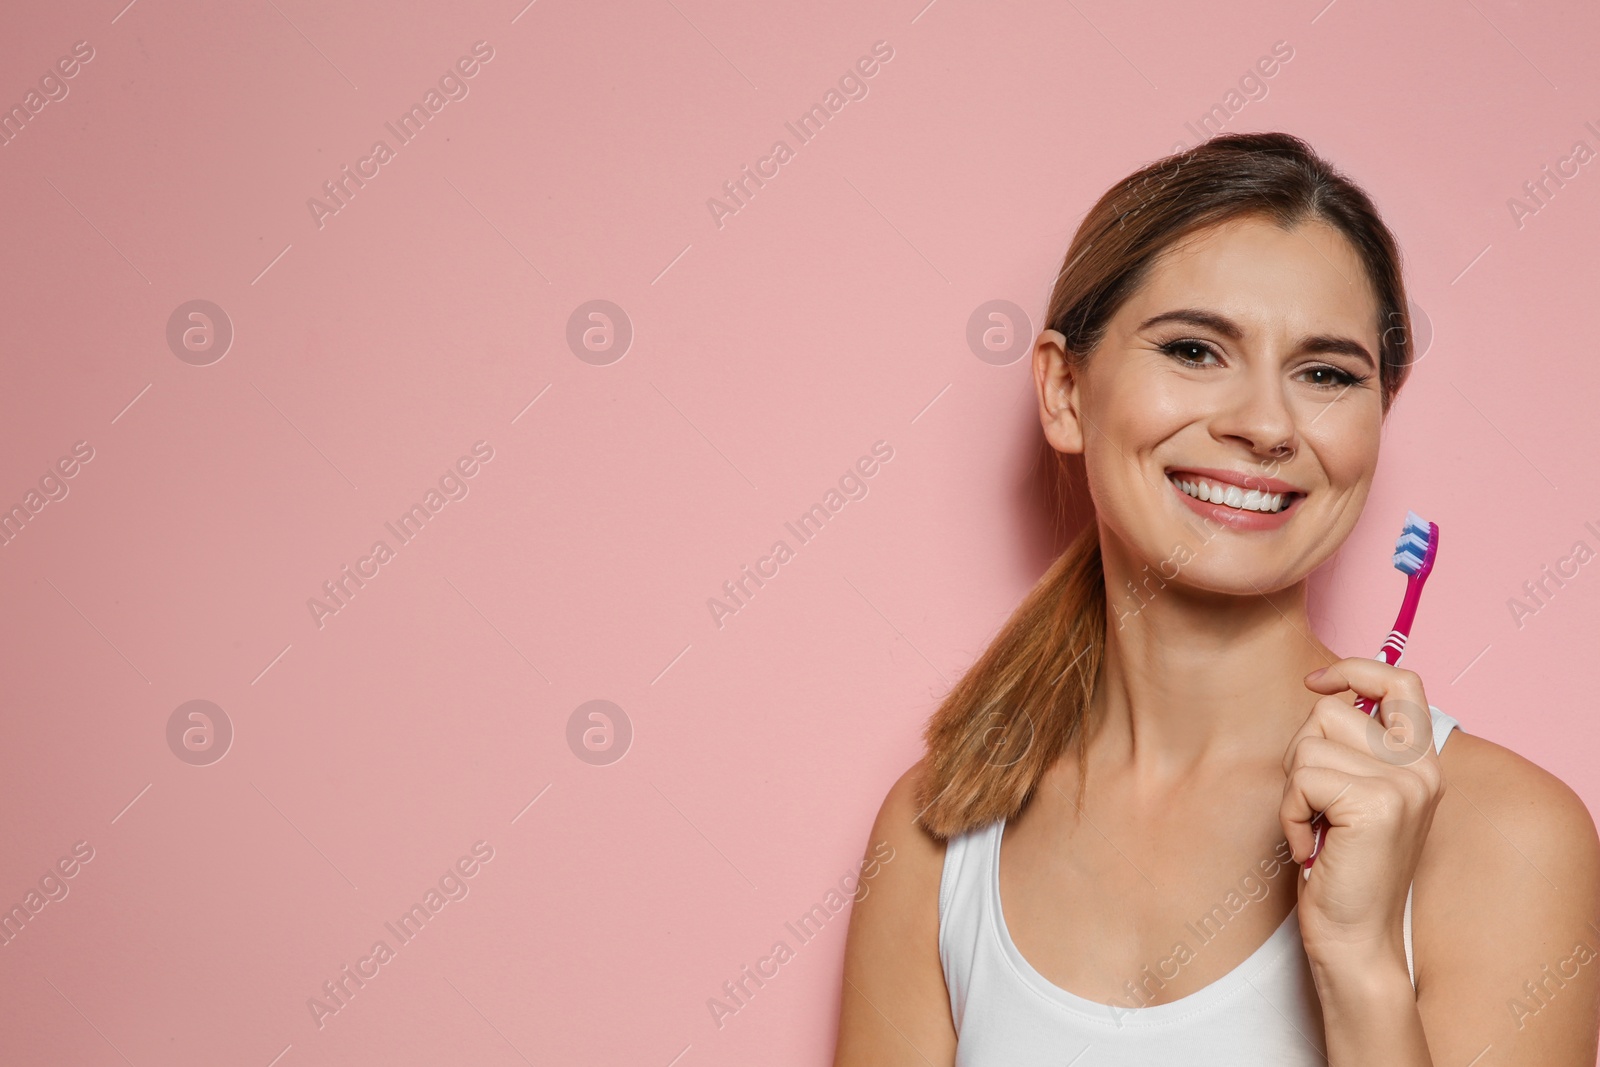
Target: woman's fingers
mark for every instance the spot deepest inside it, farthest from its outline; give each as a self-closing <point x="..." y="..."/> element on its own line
<point x="1358" y="769"/>
<point x="1317" y="751"/>
<point x="1321" y="770"/>
<point x="1401" y="732"/>
<point x="1369" y="678"/>
<point x="1333" y="719"/>
<point x="1338" y="794"/>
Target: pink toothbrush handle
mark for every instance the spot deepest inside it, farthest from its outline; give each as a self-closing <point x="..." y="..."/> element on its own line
<point x="1393" y="648"/>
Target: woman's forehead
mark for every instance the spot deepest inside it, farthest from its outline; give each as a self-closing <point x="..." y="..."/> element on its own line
<point x="1265" y="277"/>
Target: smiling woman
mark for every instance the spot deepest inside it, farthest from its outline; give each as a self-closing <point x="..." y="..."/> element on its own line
<point x="1221" y="362"/>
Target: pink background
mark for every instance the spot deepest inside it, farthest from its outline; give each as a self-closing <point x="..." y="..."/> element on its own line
<point x="768" y="355"/>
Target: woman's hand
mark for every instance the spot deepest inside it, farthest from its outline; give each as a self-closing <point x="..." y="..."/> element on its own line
<point x="1377" y="782"/>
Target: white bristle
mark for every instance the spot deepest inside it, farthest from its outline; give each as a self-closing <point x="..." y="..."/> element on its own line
<point x="1412" y="546"/>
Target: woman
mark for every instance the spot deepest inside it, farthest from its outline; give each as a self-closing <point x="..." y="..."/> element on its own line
<point x="1153" y="731"/>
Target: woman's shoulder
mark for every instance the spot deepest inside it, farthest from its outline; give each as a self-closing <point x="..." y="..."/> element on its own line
<point x="903" y="901"/>
<point x="897" y="824"/>
<point x="892" y="968"/>
<point x="1495" y="798"/>
<point x="1512" y="855"/>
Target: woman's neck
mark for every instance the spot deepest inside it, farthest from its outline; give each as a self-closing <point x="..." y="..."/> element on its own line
<point x="1191" y="678"/>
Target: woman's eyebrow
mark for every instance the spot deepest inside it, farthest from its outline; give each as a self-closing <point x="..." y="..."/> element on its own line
<point x="1324" y="343"/>
<point x="1225" y="326"/>
<point x="1198" y="317"/>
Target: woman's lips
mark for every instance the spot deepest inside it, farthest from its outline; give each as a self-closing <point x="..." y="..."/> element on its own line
<point x="1238" y="518"/>
<point x="1244" y="480"/>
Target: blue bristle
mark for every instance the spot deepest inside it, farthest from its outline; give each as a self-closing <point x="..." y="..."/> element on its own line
<point x="1412" y="545"/>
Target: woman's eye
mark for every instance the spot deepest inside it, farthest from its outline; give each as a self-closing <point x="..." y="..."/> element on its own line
<point x="1187" y="351"/>
<point x="1333" y="377"/>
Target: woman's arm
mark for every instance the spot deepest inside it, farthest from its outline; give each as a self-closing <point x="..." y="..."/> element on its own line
<point x="1506" y="868"/>
<point x="1508" y="901"/>
<point x="894" y="1008"/>
<point x="1505" y="929"/>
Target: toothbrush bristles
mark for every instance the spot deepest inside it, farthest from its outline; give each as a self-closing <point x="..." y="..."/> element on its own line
<point x="1411" y="549"/>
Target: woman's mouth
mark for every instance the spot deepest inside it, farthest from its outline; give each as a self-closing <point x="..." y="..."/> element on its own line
<point x="1232" y="496"/>
<point x="1233" y="505"/>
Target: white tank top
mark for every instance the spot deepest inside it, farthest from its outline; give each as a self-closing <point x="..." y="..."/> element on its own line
<point x="1264" y="1011"/>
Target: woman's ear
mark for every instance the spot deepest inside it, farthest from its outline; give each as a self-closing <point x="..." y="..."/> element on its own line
<point x="1057" y="383"/>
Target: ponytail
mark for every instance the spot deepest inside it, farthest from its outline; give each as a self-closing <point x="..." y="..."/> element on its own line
<point x="1013" y="713"/>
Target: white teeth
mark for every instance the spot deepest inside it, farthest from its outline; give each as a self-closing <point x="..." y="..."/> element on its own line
<point x="1233" y="496"/>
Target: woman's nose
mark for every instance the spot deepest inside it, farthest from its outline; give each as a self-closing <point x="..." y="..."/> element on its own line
<point x="1259" y="416"/>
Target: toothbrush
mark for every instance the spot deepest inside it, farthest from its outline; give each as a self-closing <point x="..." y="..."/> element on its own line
<point x="1413" y="556"/>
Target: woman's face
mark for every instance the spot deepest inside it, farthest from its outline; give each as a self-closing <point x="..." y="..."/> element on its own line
<point x="1248" y="359"/>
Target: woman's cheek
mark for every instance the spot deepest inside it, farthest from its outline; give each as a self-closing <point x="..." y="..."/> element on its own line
<point x="1347" y="448"/>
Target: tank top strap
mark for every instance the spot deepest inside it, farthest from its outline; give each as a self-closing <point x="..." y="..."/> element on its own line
<point x="1442" y="725"/>
<point x="964" y="910"/>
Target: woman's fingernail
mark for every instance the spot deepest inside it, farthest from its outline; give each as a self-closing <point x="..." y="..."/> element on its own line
<point x="1318" y="673"/>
